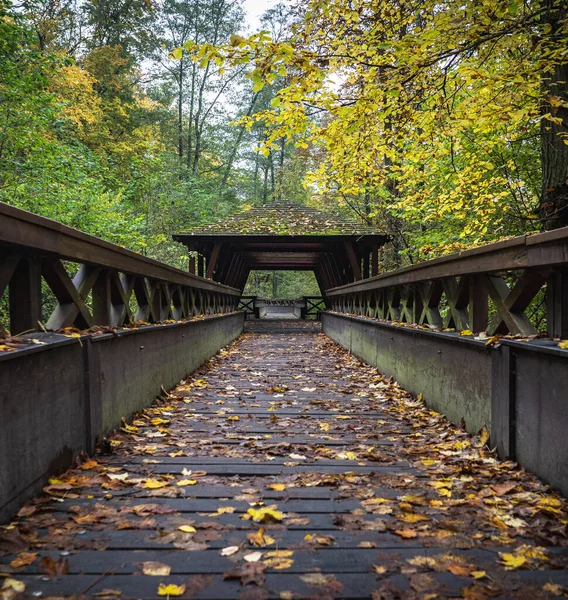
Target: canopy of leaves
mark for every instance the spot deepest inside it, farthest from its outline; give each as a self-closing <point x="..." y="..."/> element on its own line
<point x="284" y="218"/>
<point x="424" y="115"/>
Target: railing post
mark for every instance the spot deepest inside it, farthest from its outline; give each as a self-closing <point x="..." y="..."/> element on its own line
<point x="25" y="296"/>
<point x="478" y="304"/>
<point x="557" y="303"/>
<point x="102" y="299"/>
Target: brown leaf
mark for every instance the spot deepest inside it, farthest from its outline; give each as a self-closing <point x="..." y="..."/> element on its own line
<point x="196" y="584"/>
<point x="23" y="559"/>
<point x="52" y="568"/>
<point x="11" y="542"/>
<point x="249" y="573"/>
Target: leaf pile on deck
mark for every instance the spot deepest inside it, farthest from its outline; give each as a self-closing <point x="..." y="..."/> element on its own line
<point x="288" y="469"/>
<point x="285" y="218"/>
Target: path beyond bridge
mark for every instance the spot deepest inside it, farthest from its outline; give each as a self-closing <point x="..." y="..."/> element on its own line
<point x="286" y="468"/>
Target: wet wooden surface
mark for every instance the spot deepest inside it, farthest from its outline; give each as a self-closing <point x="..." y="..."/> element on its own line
<point x="369" y="494"/>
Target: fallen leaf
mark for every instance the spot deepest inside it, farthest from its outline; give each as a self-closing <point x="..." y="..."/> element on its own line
<point x="89" y="464"/>
<point x="169" y="589"/>
<point x="187" y="529"/>
<point x="252" y="572"/>
<point x="260" y="538"/>
<point x="253" y="556"/>
<point x="51" y="568"/>
<point x="266" y="514"/>
<point x="406" y="533"/>
<point x="107" y="594"/>
<point x="23" y="559"/>
<point x="186" y="482"/>
<point x="229" y="550"/>
<point x="156" y="569"/>
<point x="512" y="561"/>
<point x="277" y="487"/>
<point x="155" y="484"/>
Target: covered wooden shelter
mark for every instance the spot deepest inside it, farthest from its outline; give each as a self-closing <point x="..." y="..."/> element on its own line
<point x="284" y="236"/>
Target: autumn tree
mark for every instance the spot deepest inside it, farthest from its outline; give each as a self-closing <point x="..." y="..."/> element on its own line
<point x="429" y="115"/>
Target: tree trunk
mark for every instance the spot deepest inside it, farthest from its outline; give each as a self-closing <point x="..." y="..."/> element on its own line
<point x="554" y="135"/>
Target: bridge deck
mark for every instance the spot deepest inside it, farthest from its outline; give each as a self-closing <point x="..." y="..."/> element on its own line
<point x="368" y="493"/>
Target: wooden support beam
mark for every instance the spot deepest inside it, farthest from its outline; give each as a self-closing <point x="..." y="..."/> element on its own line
<point x="7" y="268"/>
<point x="71" y="308"/>
<point x="353" y="260"/>
<point x="192" y="264"/>
<point x="200" y="265"/>
<point x="212" y="262"/>
<point x="25" y="296"/>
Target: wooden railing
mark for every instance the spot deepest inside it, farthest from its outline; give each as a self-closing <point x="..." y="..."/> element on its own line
<point x="485" y="289"/>
<point x="110" y="286"/>
<point x="309" y="307"/>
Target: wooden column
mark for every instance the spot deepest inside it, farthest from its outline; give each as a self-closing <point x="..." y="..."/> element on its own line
<point x="25" y="296"/>
<point x="557" y="303"/>
<point x="200" y="265"/>
<point x="192" y="264"/>
<point x="366" y="269"/>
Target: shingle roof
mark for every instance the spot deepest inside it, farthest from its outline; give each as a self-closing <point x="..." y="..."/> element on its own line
<point x="284" y="218"/>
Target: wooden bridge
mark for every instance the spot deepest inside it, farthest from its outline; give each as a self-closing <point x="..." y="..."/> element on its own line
<point x="408" y="443"/>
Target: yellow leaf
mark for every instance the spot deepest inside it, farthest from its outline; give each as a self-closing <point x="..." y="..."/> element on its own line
<point x="277" y="487"/>
<point x="412" y="518"/>
<point x="235" y="418"/>
<point x="466" y="332"/>
<point x="155" y="484"/>
<point x="324" y="426"/>
<point x="563" y="344"/>
<point x="223" y="510"/>
<point x="156" y="569"/>
<point x="483" y="436"/>
<point x="266" y="514"/>
<point x="406" y="533"/>
<point x="260" y="539"/>
<point x="170" y="589"/>
<point x="89" y="464"/>
<point x="278" y="559"/>
<point x="12" y="585"/>
<point x="187" y="529"/>
<point x="512" y="561"/>
<point x="478" y="574"/>
<point x="184" y="482"/>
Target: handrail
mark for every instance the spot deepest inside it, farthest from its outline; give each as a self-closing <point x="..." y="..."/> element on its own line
<point x="464" y="282"/>
<point x="112" y="279"/>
